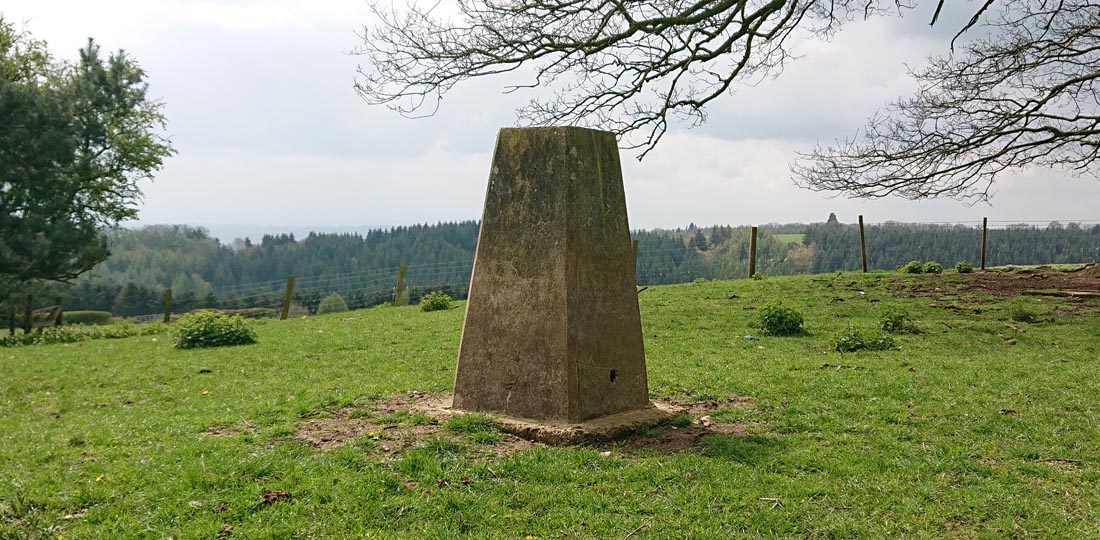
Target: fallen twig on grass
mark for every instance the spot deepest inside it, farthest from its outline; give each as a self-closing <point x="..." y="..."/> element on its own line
<point x="645" y="524"/>
<point x="776" y="502"/>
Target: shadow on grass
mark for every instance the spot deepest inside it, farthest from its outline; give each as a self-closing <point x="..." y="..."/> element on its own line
<point x="748" y="449"/>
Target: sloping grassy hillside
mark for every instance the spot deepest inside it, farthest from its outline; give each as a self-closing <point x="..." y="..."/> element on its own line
<point x="983" y="425"/>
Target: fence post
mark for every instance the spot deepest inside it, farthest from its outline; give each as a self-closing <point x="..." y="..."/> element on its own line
<point x="634" y="245"/>
<point x="862" y="245"/>
<point x="286" y="297"/>
<point x="752" y="252"/>
<point x="28" y="315"/>
<point x="60" y="311"/>
<point x="985" y="228"/>
<point x="398" y="297"/>
<point x="167" y="306"/>
<point x="11" y="317"/>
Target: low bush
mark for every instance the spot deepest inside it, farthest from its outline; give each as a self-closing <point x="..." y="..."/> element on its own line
<point x="212" y="329"/>
<point x="933" y="267"/>
<point x="435" y="301"/>
<point x="333" y="303"/>
<point x="912" y="267"/>
<point x="854" y="340"/>
<point x="963" y="267"/>
<point x="779" y="320"/>
<point x="78" y="332"/>
<point x="897" y="321"/>
<point x="759" y="276"/>
<point x="58" y="334"/>
<point x="86" y="317"/>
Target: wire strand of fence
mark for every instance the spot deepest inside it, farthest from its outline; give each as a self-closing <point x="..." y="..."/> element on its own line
<point x="689" y="260"/>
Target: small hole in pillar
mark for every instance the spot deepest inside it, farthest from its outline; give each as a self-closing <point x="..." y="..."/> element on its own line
<point x="614" y="375"/>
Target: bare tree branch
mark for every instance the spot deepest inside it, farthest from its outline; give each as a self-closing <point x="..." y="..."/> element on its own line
<point x="1028" y="95"/>
<point x="621" y="65"/>
<point x="1023" y="92"/>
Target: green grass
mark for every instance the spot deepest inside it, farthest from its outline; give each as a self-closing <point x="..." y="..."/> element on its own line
<point x="981" y="426"/>
<point x="790" y="238"/>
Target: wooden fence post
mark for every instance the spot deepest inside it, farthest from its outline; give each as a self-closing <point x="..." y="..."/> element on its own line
<point x="286" y="297"/>
<point x="60" y="312"/>
<point x="28" y="315"/>
<point x="862" y="245"/>
<point x="752" y="252"/>
<point x="398" y="293"/>
<point x="167" y="306"/>
<point x="634" y="245"/>
<point x="985" y="228"/>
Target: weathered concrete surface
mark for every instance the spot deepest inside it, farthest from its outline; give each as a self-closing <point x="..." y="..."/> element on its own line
<point x="604" y="428"/>
<point x="552" y="329"/>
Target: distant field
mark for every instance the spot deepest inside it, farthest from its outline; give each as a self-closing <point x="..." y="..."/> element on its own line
<point x="792" y="238"/>
<point x="984" y="425"/>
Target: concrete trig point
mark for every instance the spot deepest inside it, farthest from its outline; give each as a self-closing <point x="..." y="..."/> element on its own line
<point x="552" y="335"/>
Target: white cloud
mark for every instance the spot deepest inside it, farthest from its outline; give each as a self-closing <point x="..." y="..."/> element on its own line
<point x="263" y="188"/>
<point x="263" y="14"/>
<point x="260" y="104"/>
<point x="708" y="180"/>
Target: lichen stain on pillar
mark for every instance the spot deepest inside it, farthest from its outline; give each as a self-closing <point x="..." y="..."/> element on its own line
<point x="552" y="328"/>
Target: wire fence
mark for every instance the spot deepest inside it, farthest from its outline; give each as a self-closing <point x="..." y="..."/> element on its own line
<point x="665" y="262"/>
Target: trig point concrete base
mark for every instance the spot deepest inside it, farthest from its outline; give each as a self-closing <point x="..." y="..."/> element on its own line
<point x="552" y="331"/>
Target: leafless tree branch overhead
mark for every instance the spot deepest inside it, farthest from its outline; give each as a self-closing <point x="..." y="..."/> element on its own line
<point x="1020" y="91"/>
<point x="623" y="65"/>
<point x="1027" y="95"/>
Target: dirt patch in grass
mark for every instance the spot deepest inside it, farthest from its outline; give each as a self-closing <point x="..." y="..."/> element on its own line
<point x="219" y="430"/>
<point x="393" y="424"/>
<point x="1012" y="281"/>
<point x="675" y="438"/>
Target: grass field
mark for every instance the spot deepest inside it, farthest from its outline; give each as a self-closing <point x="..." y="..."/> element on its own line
<point x="980" y="426"/>
<point x="790" y="238"/>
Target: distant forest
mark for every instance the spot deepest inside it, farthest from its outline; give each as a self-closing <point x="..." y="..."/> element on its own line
<point x="203" y="272"/>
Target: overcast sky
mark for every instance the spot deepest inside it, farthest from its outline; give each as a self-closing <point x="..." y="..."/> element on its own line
<point x="269" y="131"/>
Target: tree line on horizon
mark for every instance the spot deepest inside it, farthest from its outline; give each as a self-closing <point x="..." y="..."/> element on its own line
<point x="203" y="272"/>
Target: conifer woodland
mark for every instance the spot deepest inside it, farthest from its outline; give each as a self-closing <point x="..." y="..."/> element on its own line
<point x="205" y="272"/>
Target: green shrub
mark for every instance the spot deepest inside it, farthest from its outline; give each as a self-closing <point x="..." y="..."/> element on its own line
<point x="58" y="334"/>
<point x="333" y="303"/>
<point x="700" y="280"/>
<point x="854" y="340"/>
<point x="78" y="332"/>
<point x="933" y="267"/>
<point x="759" y="276"/>
<point x="778" y="320"/>
<point x="435" y="301"/>
<point x="897" y="321"/>
<point x="212" y="329"/>
<point x="86" y="317"/>
<point x="912" y="267"/>
<point x="963" y="267"/>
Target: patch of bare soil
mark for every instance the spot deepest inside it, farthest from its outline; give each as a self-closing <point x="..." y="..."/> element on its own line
<point x="670" y="438"/>
<point x="244" y="426"/>
<point x="392" y="425"/>
<point x="1082" y="283"/>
